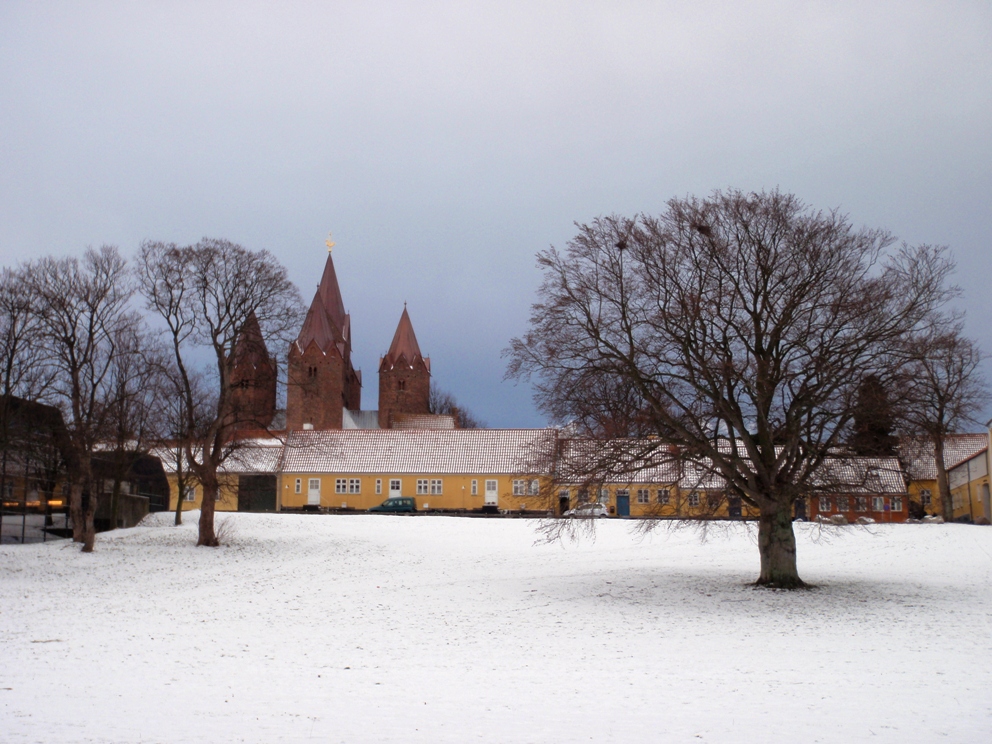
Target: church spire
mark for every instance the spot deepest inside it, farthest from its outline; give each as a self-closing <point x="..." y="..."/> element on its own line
<point x="404" y="345"/>
<point x="326" y="323"/>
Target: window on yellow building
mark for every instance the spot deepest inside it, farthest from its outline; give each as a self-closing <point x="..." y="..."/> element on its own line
<point x="519" y="487"/>
<point x="694" y="498"/>
<point x="925" y="497"/>
<point x="643" y="496"/>
<point x="604" y="495"/>
<point x="340" y="485"/>
<point x="435" y="486"/>
<point x="422" y="486"/>
<point x="299" y="485"/>
<point x="583" y="496"/>
<point x="475" y="487"/>
<point x="354" y="485"/>
<point x="189" y="493"/>
<point x="535" y="487"/>
<point x="664" y="496"/>
<point x="378" y="485"/>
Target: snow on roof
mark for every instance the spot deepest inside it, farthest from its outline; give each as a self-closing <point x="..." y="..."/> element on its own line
<point x="917" y="455"/>
<point x="249" y="456"/>
<point x="483" y="451"/>
<point x="410" y="421"/>
<point x="853" y="475"/>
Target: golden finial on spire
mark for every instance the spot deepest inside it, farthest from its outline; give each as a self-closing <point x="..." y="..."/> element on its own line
<point x="329" y="243"/>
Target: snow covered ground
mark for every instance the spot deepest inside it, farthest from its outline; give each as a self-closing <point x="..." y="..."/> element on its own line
<point x="435" y="629"/>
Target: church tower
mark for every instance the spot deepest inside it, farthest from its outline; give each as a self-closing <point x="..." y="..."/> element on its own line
<point x="321" y="379"/>
<point x="404" y="376"/>
<point x="252" y="377"/>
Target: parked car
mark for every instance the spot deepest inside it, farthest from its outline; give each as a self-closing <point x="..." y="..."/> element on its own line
<point x="396" y="504"/>
<point x="588" y="510"/>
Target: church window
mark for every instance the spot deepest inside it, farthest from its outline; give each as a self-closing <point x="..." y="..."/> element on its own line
<point x="422" y="486"/>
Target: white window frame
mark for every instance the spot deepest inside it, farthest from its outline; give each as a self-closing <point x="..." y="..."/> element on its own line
<point x="861" y="503"/>
<point x="423" y="484"/>
<point x="475" y="487"/>
<point x="824" y="506"/>
<point x="340" y="485"/>
<point x="895" y="504"/>
<point x="603" y="495"/>
<point x="664" y="496"/>
<point x="643" y="496"/>
<point x="399" y="486"/>
<point x="926" y="497"/>
<point x="378" y="486"/>
<point x="189" y="492"/>
<point x="436" y="486"/>
<point x="878" y="503"/>
<point x="519" y="487"/>
<point x="694" y="498"/>
<point x="299" y="485"/>
<point x="535" y="488"/>
<point x="354" y="485"/>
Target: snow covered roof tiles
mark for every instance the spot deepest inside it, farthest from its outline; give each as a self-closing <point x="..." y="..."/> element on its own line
<point x="917" y="453"/>
<point x="483" y="451"/>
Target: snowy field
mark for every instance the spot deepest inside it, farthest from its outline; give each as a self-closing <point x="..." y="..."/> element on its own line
<point x="434" y="629"/>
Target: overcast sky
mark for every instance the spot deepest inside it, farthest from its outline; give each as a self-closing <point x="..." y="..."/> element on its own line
<point x="445" y="144"/>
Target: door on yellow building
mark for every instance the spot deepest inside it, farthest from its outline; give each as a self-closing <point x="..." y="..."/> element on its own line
<point x="313" y="492"/>
<point x="492" y="498"/>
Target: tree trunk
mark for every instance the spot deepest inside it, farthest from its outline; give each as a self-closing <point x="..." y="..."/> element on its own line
<point x="115" y="503"/>
<point x="179" y="502"/>
<point x="89" y="529"/>
<point x="777" y="546"/>
<point x="207" y="504"/>
<point x="943" y="485"/>
<point x="76" y="512"/>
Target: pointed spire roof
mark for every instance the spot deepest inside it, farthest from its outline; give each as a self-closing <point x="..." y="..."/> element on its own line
<point x="249" y="348"/>
<point x="405" y="345"/>
<point x="326" y="324"/>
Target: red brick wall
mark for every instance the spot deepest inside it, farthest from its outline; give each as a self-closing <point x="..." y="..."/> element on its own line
<point x="315" y="388"/>
<point x="413" y="396"/>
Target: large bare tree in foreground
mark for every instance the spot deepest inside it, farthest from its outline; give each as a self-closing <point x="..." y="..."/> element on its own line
<point x="738" y="326"/>
<point x="207" y="294"/>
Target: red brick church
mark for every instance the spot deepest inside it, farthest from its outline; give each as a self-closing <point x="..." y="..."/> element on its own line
<point x="324" y="390"/>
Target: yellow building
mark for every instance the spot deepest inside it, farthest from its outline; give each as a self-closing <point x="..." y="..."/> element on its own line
<point x="969" y="482"/>
<point x="917" y="457"/>
<point x="442" y="469"/>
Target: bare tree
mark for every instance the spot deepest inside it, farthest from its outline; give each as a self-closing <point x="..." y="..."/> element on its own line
<point x="745" y="323"/>
<point x="82" y="310"/>
<point x="443" y="403"/>
<point x="941" y="391"/>
<point x="207" y="294"/>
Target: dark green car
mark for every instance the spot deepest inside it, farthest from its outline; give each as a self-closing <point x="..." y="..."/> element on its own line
<point x="397" y="505"/>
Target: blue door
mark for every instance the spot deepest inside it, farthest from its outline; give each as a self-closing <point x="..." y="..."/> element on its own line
<point x="623" y="505"/>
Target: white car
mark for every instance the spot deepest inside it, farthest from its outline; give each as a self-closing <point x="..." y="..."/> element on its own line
<point x="588" y="510"/>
